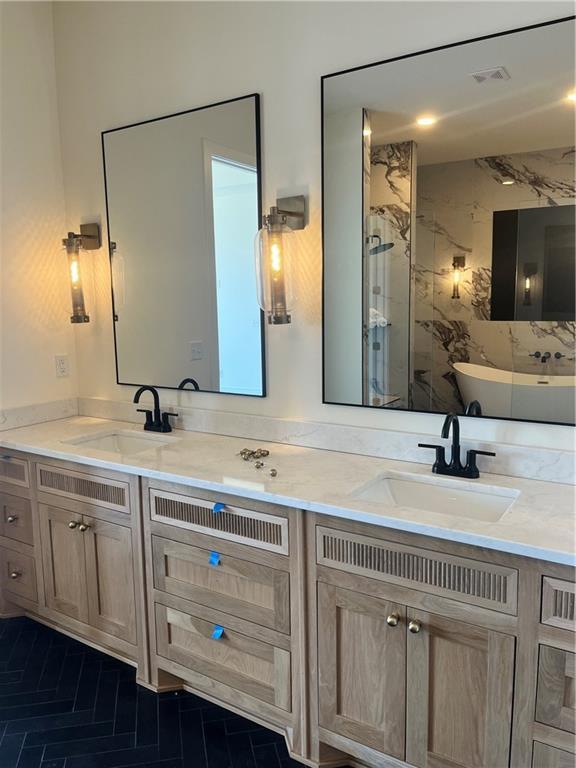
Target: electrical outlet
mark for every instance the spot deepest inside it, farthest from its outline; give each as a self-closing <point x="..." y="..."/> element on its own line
<point x="196" y="350"/>
<point x="62" y="365"/>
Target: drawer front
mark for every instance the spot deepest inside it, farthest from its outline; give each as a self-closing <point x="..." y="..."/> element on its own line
<point x="558" y="603"/>
<point x="14" y="471"/>
<point x="16" y="518"/>
<point x="92" y="489"/>
<point x="470" y="581"/>
<point x="223" y="521"/>
<point x="241" y="588"/>
<point x="545" y="756"/>
<point x="239" y="661"/>
<point x="18" y="574"/>
<point x="556" y="694"/>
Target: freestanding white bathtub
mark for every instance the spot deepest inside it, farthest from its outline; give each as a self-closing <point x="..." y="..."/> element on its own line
<point x="518" y="395"/>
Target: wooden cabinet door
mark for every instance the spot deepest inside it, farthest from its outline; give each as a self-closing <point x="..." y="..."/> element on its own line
<point x="556" y="695"/>
<point x="110" y="578"/>
<point x="362" y="668"/>
<point x="459" y="694"/>
<point x="64" y="562"/>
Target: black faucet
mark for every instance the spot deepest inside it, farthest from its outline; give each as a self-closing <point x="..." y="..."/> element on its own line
<point x="455" y="467"/>
<point x="157" y="421"/>
<point x="189" y="381"/>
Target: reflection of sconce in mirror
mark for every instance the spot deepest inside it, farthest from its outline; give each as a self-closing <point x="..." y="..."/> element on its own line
<point x="274" y="250"/>
<point x="118" y="279"/>
<point x="87" y="240"/>
<point x="458" y="264"/>
<point x="530" y="270"/>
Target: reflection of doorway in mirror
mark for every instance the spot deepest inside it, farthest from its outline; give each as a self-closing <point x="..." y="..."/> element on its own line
<point x="234" y="207"/>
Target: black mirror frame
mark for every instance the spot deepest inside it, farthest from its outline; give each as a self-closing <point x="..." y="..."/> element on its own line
<point x="256" y="98"/>
<point x="369" y="66"/>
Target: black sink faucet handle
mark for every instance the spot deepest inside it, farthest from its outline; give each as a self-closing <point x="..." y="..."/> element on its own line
<point x="440" y="455"/>
<point x="166" y="426"/>
<point x="148" y="416"/>
<point x="471" y="467"/>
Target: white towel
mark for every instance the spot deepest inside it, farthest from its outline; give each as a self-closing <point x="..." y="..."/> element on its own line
<point x="377" y="319"/>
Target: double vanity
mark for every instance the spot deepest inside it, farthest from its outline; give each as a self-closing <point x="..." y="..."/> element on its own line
<point x="374" y="613"/>
<point x="377" y="613"/>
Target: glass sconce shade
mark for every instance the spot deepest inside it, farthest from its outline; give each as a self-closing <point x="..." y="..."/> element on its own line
<point x="458" y="265"/>
<point x="73" y="243"/>
<point x="274" y="251"/>
<point x="530" y="272"/>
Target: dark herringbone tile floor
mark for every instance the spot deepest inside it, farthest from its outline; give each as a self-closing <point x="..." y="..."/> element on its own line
<point x="65" y="705"/>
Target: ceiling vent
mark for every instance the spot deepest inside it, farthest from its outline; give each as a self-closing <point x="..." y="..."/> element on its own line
<point x="495" y="73"/>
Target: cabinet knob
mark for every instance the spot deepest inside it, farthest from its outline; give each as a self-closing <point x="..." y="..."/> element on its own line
<point x="72" y="524"/>
<point x="11" y="519"/>
<point x="15" y="574"/>
<point x="393" y="620"/>
<point x="83" y="527"/>
<point x="217" y="632"/>
<point x="414" y="626"/>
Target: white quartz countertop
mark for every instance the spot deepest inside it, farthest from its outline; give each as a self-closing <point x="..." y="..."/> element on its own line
<point x="540" y="522"/>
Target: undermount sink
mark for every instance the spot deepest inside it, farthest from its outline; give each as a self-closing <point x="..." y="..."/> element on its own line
<point x="125" y="442"/>
<point x="447" y="497"/>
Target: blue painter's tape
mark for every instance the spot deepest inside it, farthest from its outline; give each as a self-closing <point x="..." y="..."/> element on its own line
<point x="217" y="632"/>
<point x="218" y="507"/>
<point x="214" y="558"/>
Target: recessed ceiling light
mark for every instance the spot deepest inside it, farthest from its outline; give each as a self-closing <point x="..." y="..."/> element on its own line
<point x="571" y="96"/>
<point x="508" y="182"/>
<point x="426" y="120"/>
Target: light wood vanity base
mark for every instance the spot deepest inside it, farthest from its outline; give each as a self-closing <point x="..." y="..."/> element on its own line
<point x="362" y="645"/>
<point x="71" y="553"/>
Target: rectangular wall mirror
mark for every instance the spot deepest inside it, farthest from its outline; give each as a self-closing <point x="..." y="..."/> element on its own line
<point x="449" y="252"/>
<point x="183" y="200"/>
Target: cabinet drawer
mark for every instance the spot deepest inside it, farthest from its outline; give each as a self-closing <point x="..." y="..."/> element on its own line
<point x="15" y="471"/>
<point x="16" y="518"/>
<point x="242" y="662"/>
<point x="558" y="603"/>
<point x="18" y="574"/>
<point x="92" y="489"/>
<point x="545" y="756"/>
<point x="241" y="588"/>
<point x="556" y="694"/>
<point x="470" y="581"/>
<point x="243" y="526"/>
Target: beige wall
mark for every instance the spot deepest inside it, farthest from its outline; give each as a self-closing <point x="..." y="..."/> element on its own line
<point x="139" y="60"/>
<point x="34" y="306"/>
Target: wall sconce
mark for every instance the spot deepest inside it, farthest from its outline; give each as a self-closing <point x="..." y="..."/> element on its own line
<point x="274" y="251"/>
<point x="87" y="240"/>
<point x="530" y="269"/>
<point x="458" y="264"/>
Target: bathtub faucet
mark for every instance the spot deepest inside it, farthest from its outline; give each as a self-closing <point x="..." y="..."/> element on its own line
<point x="455" y="467"/>
<point x="543" y="357"/>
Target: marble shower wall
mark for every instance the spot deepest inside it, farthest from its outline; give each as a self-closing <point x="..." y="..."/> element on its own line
<point x="455" y="206"/>
<point x="389" y="234"/>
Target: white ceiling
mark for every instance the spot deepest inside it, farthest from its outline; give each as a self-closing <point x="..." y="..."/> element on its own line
<point x="528" y="112"/>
